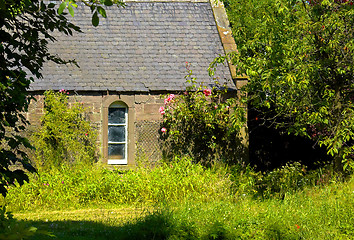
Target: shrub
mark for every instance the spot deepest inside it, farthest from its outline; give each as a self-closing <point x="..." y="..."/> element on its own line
<point x="203" y="123"/>
<point x="287" y="179"/>
<point x="65" y="136"/>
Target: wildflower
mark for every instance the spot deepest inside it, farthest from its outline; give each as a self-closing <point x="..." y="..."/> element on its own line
<point x="163" y="130"/>
<point x="162" y="110"/>
<point x="297" y="226"/>
<point x="207" y="92"/>
<point x="216" y="106"/>
<point x="62" y="182"/>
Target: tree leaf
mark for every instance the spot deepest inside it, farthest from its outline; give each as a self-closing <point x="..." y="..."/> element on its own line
<point x="102" y="11"/>
<point x="71" y="10"/>
<point x="51" y="5"/>
<point x="95" y="19"/>
<point x="61" y="8"/>
<point x="108" y="3"/>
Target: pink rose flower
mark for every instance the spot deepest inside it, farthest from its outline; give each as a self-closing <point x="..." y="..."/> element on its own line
<point x="162" y="110"/>
<point x="163" y="129"/>
<point x="169" y="98"/>
<point x="207" y="92"/>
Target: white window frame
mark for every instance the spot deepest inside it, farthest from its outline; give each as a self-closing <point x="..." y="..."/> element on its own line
<point x="125" y="160"/>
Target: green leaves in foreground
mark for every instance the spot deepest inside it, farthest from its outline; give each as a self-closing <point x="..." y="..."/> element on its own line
<point x="95" y="6"/>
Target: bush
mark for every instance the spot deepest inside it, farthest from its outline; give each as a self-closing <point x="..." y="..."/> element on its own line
<point x="65" y="136"/>
<point x="203" y="123"/>
<point x="287" y="179"/>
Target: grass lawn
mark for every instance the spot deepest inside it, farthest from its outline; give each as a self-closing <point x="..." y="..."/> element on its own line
<point x="80" y="224"/>
<point x="176" y="201"/>
<point x="314" y="214"/>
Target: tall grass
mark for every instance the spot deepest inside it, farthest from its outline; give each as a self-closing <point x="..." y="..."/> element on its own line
<point x="181" y="200"/>
<point x="94" y="185"/>
<point x="315" y="213"/>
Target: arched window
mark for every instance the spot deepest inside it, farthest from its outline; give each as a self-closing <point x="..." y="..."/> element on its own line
<point x="117" y="133"/>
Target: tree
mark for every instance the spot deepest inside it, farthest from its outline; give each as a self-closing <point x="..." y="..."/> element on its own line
<point x="26" y="27"/>
<point x="299" y="58"/>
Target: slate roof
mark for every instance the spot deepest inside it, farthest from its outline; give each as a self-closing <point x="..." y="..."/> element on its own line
<point x="142" y="47"/>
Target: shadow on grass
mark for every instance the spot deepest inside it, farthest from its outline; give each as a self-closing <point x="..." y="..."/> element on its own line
<point x="154" y="226"/>
<point x="159" y="225"/>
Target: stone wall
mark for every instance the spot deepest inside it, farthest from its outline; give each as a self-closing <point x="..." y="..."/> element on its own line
<point x="146" y="118"/>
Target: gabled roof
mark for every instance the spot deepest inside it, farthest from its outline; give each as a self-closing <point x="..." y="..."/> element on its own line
<point x="142" y="47"/>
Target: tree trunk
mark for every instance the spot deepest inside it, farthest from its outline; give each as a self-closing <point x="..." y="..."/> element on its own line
<point x="338" y="166"/>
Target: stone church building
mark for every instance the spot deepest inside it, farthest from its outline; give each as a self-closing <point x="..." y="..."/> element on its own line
<point x="136" y="54"/>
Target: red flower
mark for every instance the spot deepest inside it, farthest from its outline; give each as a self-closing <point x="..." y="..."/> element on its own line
<point x="297" y="226"/>
<point x="169" y="98"/>
<point x="207" y="92"/>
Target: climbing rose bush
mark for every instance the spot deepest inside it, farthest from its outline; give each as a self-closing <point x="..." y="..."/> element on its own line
<point x="204" y="123"/>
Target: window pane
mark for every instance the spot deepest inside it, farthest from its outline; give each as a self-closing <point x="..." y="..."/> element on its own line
<point x="116" y="151"/>
<point x="116" y="133"/>
<point x="116" y="115"/>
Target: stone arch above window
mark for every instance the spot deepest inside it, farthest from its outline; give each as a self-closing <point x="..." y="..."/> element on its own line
<point x="118" y="130"/>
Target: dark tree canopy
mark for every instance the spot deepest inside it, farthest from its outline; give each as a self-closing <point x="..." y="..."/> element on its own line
<point x="299" y="58"/>
<point x="26" y="28"/>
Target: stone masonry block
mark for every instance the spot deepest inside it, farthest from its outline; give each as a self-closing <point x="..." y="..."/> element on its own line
<point x="152" y="109"/>
<point x="148" y="117"/>
<point x="141" y="98"/>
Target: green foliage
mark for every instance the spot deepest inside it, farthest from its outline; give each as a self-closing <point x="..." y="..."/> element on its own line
<point x="299" y="59"/>
<point x="11" y="228"/>
<point x="280" y="182"/>
<point x="182" y="200"/>
<point x="204" y="124"/>
<point x="316" y="213"/>
<point x="287" y="179"/>
<point x="85" y="185"/>
<point x="65" y="136"/>
<point x="24" y="36"/>
<point x="94" y="5"/>
<point x="25" y="29"/>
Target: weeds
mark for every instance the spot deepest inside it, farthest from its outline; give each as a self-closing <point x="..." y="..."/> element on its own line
<point x="88" y="185"/>
<point x="182" y="200"/>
